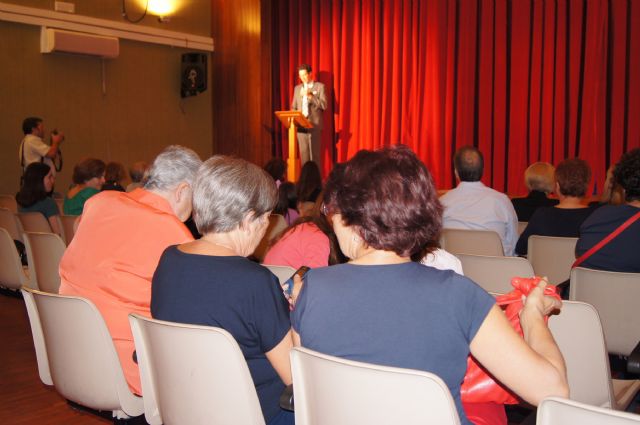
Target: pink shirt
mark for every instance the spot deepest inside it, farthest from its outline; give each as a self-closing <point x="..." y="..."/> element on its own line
<point x="302" y="245"/>
<point x="113" y="256"/>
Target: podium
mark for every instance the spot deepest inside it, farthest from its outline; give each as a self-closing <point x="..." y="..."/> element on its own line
<point x="290" y="120"/>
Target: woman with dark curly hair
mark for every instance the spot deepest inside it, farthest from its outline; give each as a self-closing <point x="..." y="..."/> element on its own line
<point x="33" y="195"/>
<point x="563" y="220"/>
<point x="88" y="176"/>
<point x="383" y="308"/>
<point x="621" y="254"/>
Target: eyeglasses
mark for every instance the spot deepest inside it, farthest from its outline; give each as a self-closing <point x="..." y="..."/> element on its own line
<point x="324" y="209"/>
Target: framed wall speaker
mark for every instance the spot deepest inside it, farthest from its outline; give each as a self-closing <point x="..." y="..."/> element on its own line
<point x="193" y="78"/>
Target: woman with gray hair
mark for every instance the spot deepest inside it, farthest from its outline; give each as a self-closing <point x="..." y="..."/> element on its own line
<point x="539" y="179"/>
<point x="211" y="282"/>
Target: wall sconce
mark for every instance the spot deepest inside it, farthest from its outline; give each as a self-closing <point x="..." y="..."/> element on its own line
<point x="162" y="9"/>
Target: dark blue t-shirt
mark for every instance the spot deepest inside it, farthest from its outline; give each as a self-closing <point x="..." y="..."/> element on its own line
<point x="621" y="254"/>
<point x="405" y="315"/>
<point x="232" y="293"/>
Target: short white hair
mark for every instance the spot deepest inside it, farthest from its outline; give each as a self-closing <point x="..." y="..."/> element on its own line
<point x="226" y="190"/>
<point x="174" y="165"/>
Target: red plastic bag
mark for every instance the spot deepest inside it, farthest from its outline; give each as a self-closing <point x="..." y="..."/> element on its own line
<point x="478" y="385"/>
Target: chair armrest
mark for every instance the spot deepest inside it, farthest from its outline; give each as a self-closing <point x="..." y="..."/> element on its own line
<point x="633" y="361"/>
<point x="286" y="398"/>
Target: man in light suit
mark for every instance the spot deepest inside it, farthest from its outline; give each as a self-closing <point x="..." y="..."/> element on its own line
<point x="309" y="97"/>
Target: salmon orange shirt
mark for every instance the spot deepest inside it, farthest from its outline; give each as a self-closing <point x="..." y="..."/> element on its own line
<point x="113" y="256"/>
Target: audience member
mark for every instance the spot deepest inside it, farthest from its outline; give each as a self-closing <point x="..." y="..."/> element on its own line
<point x="539" y="179"/>
<point x="383" y="308"/>
<point x="563" y="220"/>
<point x="119" y="241"/>
<point x="136" y="173"/>
<point x="210" y="282"/>
<point x="287" y="202"/>
<point x="621" y="254"/>
<point x="33" y="196"/>
<point x="472" y="205"/>
<point x="309" y="242"/>
<point x="612" y="193"/>
<point x="277" y="168"/>
<point x="33" y="148"/>
<point x="88" y="176"/>
<point x="114" y="175"/>
<point x="309" y="184"/>
<point x="440" y="259"/>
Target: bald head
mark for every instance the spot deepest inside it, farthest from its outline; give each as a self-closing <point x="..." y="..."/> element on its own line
<point x="469" y="164"/>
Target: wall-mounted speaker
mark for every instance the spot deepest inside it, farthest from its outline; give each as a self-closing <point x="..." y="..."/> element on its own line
<point x="194" y="74"/>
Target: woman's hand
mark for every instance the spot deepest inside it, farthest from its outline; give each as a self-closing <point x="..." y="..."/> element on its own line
<point x="297" y="286"/>
<point x="537" y="304"/>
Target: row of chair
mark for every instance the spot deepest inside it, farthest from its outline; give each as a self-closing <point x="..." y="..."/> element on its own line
<point x="549" y="256"/>
<point x="18" y="223"/>
<point x="182" y="383"/>
<point x="44" y="252"/>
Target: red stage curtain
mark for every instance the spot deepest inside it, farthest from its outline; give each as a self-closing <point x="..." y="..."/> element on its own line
<point x="523" y="80"/>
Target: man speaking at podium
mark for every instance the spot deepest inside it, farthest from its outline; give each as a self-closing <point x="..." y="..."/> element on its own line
<point x="309" y="97"/>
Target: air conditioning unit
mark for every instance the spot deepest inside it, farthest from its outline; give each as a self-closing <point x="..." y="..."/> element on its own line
<point x="55" y="40"/>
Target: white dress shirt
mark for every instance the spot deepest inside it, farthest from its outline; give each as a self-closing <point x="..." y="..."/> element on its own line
<point x="472" y="205"/>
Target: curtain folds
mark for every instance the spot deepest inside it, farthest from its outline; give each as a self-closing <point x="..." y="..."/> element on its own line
<point x="523" y="80"/>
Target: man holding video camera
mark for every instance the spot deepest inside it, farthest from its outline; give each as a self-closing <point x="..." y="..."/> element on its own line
<point x="34" y="149"/>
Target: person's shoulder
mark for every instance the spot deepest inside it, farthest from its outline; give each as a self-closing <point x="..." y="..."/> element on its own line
<point x="519" y="200"/>
<point x="102" y="197"/>
<point x="497" y="194"/>
<point x="258" y="272"/>
<point x="311" y="230"/>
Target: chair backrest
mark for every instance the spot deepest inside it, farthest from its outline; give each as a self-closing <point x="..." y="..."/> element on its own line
<point x="44" y="251"/>
<point x="331" y="390"/>
<point x="615" y="296"/>
<point x="494" y="274"/>
<point x="283" y="273"/>
<point x="578" y="333"/>
<point x="69" y="226"/>
<point x="34" y="222"/>
<point x="83" y="362"/>
<point x="552" y="257"/>
<point x="521" y="226"/>
<point x="60" y="204"/>
<point x="475" y="242"/>
<point x="9" y="222"/>
<point x="9" y="202"/>
<point x="11" y="273"/>
<point x="194" y="374"/>
<point x="560" y="411"/>
<point x="38" y="337"/>
<point x="277" y="224"/>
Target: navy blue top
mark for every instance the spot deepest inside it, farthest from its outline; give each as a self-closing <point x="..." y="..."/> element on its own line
<point x="622" y="253"/>
<point x="404" y="315"/>
<point x="552" y="221"/>
<point x="232" y="293"/>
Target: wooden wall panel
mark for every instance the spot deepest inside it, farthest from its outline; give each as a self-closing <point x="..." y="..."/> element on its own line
<point x="241" y="75"/>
